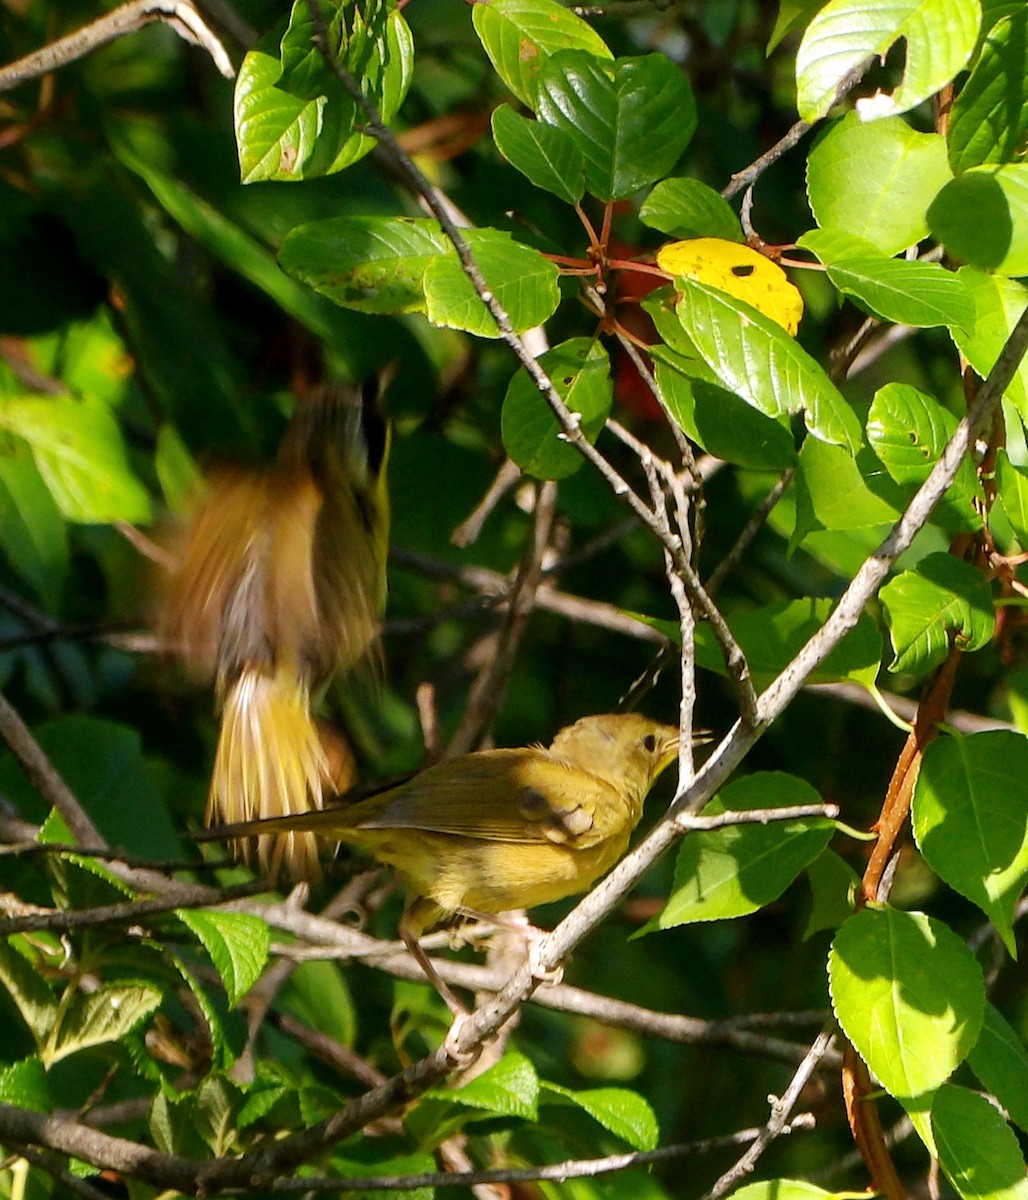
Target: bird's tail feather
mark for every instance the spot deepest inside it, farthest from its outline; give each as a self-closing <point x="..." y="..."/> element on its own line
<point x="270" y="763"/>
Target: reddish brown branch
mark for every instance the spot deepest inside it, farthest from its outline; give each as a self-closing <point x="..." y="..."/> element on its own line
<point x="894" y="812"/>
<point x="866" y="1126"/>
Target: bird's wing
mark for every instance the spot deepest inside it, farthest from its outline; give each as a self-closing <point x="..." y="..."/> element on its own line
<point x="527" y="796"/>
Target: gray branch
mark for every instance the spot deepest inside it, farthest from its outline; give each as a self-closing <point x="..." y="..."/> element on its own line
<point x="180" y="15"/>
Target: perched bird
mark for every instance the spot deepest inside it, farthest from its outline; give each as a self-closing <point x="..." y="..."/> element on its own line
<point x="280" y="584"/>
<point x="501" y="829"/>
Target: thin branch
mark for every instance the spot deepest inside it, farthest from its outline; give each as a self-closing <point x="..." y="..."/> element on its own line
<point x="746" y="178"/>
<point x="469" y="529"/>
<point x="55" y="1167"/>
<point x="582" y="1168"/>
<point x="180" y="15"/>
<point x="489" y="689"/>
<point x="131" y="912"/>
<point x="690" y="822"/>
<point x="778" y="1120"/>
<point x="958" y="718"/>
<point x="757" y="521"/>
<point x="496" y="584"/>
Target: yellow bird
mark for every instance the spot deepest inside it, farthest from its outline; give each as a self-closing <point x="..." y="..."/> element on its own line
<point x="501" y="829"/>
<point x="280" y="584"/>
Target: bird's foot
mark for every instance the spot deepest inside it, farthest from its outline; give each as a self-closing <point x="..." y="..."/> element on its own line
<point x="451" y="1047"/>
<point x="547" y="976"/>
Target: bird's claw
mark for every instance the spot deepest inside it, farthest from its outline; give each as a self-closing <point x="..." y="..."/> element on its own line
<point x="547" y="976"/>
<point x="460" y="1058"/>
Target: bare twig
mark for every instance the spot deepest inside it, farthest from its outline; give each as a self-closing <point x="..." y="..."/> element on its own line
<point x="494" y="583"/>
<point x="130" y="912"/>
<point x="777" y="1122"/>
<point x="557" y="1172"/>
<point x="748" y="176"/>
<point x="490" y="687"/>
<point x="180" y="15"/>
<point x="469" y="529"/>
<point x="903" y="706"/>
<point x="757" y="521"/>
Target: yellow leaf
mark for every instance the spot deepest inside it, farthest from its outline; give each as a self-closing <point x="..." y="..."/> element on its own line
<point x="738" y="270"/>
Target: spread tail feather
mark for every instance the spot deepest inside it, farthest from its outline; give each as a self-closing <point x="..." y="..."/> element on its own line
<point x="270" y="763"/>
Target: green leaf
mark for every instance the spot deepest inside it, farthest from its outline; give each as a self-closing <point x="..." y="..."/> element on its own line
<point x="400" y="264"/>
<point x="580" y="371"/>
<point x="631" y="118"/>
<point x="756" y="359"/>
<point x="908" y="994"/>
<point x="999" y="303"/>
<point x="196" y="1124"/>
<point x="970" y="819"/>
<point x="1012" y="484"/>
<point x="771" y="637"/>
<point x="782" y="1189"/>
<point x="285" y="136"/>
<point x="25" y="1084"/>
<point x="372" y="264"/>
<point x="942" y="595"/>
<point x="876" y="181"/>
<point x="720" y="422"/>
<point x="982" y="218"/>
<point x="510" y="1088"/>
<point x="222" y="1054"/>
<point x="237" y="943"/>
<point x="833" y="884"/>
<point x="546" y="156"/>
<point x="303" y="65"/>
<point x="104" y="765"/>
<point x="80" y="454"/>
<point x="977" y="1149"/>
<point x="792" y="15"/>
<point x="276" y="131"/>
<point x="624" y="1113"/>
<point x="520" y="36"/>
<point x="687" y="208"/>
<point x="908" y="431"/>
<point x="939" y="35"/>
<point x="832" y="489"/>
<point x="521" y="279"/>
<point x="33" y="999"/>
<point x="101" y="1017"/>
<point x="908" y="293"/>
<point x="317" y="993"/>
<point x="32" y="530"/>
<point x="736" y="870"/>
<point x="989" y="119"/>
<point x="1000" y="1061"/>
<point x="177" y="472"/>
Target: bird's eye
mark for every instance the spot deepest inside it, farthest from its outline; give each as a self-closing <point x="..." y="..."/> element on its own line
<point x="650" y="743"/>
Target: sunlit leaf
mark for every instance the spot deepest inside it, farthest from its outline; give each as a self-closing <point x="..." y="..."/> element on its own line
<point x="970" y="818"/>
<point x="908" y="994"/>
<point x="754" y="357"/>
<point x="942" y="595"/>
<point x="876" y="181"/>
<point x="520" y="36"/>
<point x="939" y="36"/>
